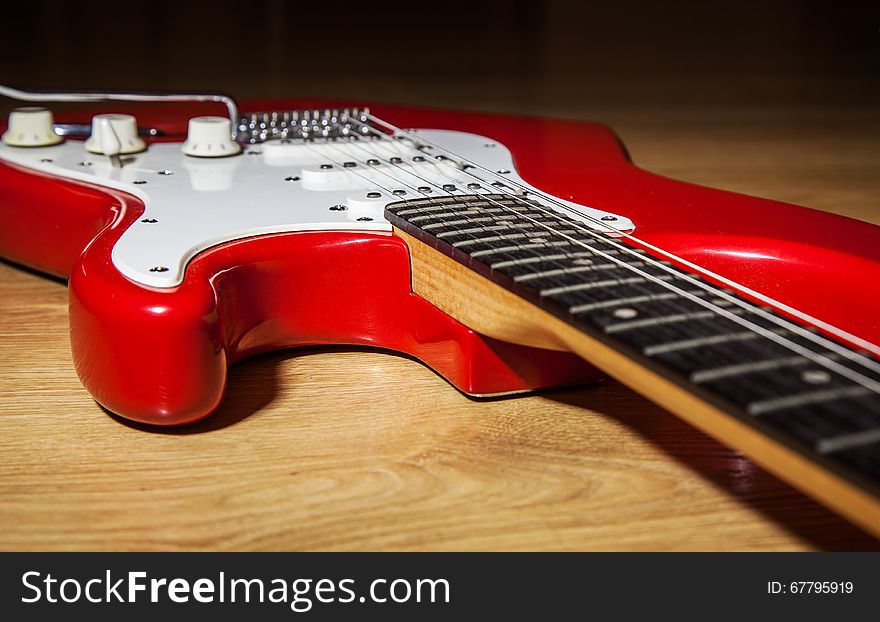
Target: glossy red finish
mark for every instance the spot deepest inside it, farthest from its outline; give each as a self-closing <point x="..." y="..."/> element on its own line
<point x="161" y="356"/>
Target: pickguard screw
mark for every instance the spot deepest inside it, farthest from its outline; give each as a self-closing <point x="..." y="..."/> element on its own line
<point x="46" y="160"/>
<point x="374" y="195"/>
<point x="338" y="208"/>
<point x="373" y="162"/>
<point x="149" y="220"/>
<point x="490" y="145"/>
<point x="449" y="187"/>
<point x="165" y="172"/>
<point x="424" y="189"/>
<point x="158" y="269"/>
<point x="292" y="178"/>
<point x="254" y="152"/>
<point x="503" y="171"/>
<point x="85" y="163"/>
<point x="609" y="218"/>
<point x="399" y="193"/>
<point x="419" y="159"/>
<point x="474" y="186"/>
<point x="365" y="219"/>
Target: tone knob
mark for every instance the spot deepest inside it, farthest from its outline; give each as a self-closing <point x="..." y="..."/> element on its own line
<point x="122" y="127"/>
<point x="210" y="137"/>
<point x="30" y="127"/>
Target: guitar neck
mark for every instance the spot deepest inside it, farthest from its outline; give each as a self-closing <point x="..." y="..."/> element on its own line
<point x="805" y="408"/>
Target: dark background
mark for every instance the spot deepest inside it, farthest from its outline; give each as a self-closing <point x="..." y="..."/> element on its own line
<point x="563" y="58"/>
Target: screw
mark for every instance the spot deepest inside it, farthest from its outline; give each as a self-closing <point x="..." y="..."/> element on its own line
<point x="46" y="160"/>
<point x="159" y="269"/>
<point x="609" y="218"/>
<point x="165" y="172"/>
<point x="85" y="163"/>
<point x="254" y="152"/>
<point x="326" y="166"/>
<point x="365" y="219"/>
<point x="399" y="193"/>
<point x="291" y="178"/>
<point x="396" y="160"/>
<point x="139" y="182"/>
<point x="474" y="186"/>
<point x="503" y="171"/>
<point x="419" y="159"/>
<point x="449" y="187"/>
<point x="374" y="195"/>
<point x="338" y="208"/>
<point x="373" y="162"/>
<point x="349" y="164"/>
<point x="149" y="220"/>
<point x="424" y="189"/>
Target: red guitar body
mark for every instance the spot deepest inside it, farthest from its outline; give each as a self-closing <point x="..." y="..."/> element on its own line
<point x="161" y="356"/>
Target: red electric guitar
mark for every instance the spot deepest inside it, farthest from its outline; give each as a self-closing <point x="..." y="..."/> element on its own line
<point x="508" y="254"/>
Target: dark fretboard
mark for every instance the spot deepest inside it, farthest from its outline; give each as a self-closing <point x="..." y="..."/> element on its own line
<point x="566" y="269"/>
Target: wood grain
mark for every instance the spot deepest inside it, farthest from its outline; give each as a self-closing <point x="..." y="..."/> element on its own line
<point x="340" y="449"/>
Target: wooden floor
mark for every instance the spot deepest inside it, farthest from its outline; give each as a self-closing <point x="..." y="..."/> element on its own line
<point x="339" y="449"/>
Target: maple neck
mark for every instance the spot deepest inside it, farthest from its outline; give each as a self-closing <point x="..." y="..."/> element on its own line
<point x="526" y="274"/>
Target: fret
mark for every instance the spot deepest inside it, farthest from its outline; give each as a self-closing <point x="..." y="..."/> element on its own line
<point x="452" y="223"/>
<point x="802" y="399"/>
<point x="848" y="441"/>
<point x="662" y="319"/>
<point x="611" y="291"/>
<point x="553" y="291"/>
<point x="490" y="211"/>
<point x="552" y="245"/>
<point x="632" y="300"/>
<point x="718" y="373"/>
<point x="510" y="236"/>
<point x="536" y="259"/>
<point x="699" y="342"/>
<point x="471" y="231"/>
<point x="531" y="276"/>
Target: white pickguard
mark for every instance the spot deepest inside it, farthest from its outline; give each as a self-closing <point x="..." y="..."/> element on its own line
<point x="272" y="187"/>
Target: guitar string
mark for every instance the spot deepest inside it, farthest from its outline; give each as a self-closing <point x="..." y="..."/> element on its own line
<point x="864" y="344"/>
<point x="809" y="354"/>
<point x="818" y="339"/>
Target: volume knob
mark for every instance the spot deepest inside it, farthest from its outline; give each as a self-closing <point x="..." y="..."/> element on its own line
<point x="210" y="137"/>
<point x="31" y="127"/>
<point x="124" y="126"/>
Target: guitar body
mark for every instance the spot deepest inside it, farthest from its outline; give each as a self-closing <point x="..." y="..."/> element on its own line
<point x="160" y="354"/>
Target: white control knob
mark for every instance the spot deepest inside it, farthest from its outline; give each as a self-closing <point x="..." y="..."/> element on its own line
<point x="210" y="137"/>
<point x="109" y="129"/>
<point x="31" y="127"/>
